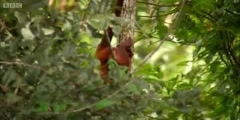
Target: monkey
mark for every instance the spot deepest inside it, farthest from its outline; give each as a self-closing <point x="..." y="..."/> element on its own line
<point x="122" y="53"/>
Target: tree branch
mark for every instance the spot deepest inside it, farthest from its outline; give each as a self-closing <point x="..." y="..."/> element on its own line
<point x="170" y="5"/>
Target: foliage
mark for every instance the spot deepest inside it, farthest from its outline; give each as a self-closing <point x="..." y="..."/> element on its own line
<point x="48" y="69"/>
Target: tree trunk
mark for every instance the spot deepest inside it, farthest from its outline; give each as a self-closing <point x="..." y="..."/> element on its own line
<point x="128" y="12"/>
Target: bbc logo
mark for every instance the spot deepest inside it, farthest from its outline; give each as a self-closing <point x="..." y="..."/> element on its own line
<point x="12" y="5"/>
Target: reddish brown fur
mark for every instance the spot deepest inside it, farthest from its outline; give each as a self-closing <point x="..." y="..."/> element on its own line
<point x="122" y="52"/>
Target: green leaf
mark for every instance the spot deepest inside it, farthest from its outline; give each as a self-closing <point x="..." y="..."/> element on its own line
<point x="162" y="30"/>
<point x="47" y="31"/>
<point x="67" y="26"/>
<point x="60" y="107"/>
<point x="43" y="106"/>
<point x="42" y="58"/>
<point x="69" y="49"/>
<point x="20" y="17"/>
<point x="104" y="103"/>
<point x="12" y="99"/>
<point x="134" y="89"/>
<point x="9" y="76"/>
<point x="27" y="33"/>
<point x="164" y="105"/>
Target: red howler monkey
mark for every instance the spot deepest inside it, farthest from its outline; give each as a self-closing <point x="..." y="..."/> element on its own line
<point x="122" y="53"/>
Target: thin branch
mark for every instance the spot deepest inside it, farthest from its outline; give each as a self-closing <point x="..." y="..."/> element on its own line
<point x="7" y="117"/>
<point x="204" y="16"/>
<point x="231" y="12"/>
<point x="23" y="64"/>
<point x="17" y="86"/>
<point x="107" y="97"/>
<point x="170" y="40"/>
<point x="208" y="15"/>
<point x="170" y="31"/>
<point x="91" y="105"/>
<point x="231" y="53"/>
<point x="222" y="59"/>
<point x="169" y="5"/>
<point x="157" y="15"/>
<point x="4" y="27"/>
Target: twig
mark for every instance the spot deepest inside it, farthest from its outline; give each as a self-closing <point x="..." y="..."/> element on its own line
<point x="7" y="117"/>
<point x="4" y="27"/>
<point x="170" y="31"/>
<point x="20" y="63"/>
<point x="165" y="14"/>
<point x="111" y="95"/>
<point x="17" y="86"/>
<point x="91" y="105"/>
<point x="170" y="5"/>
